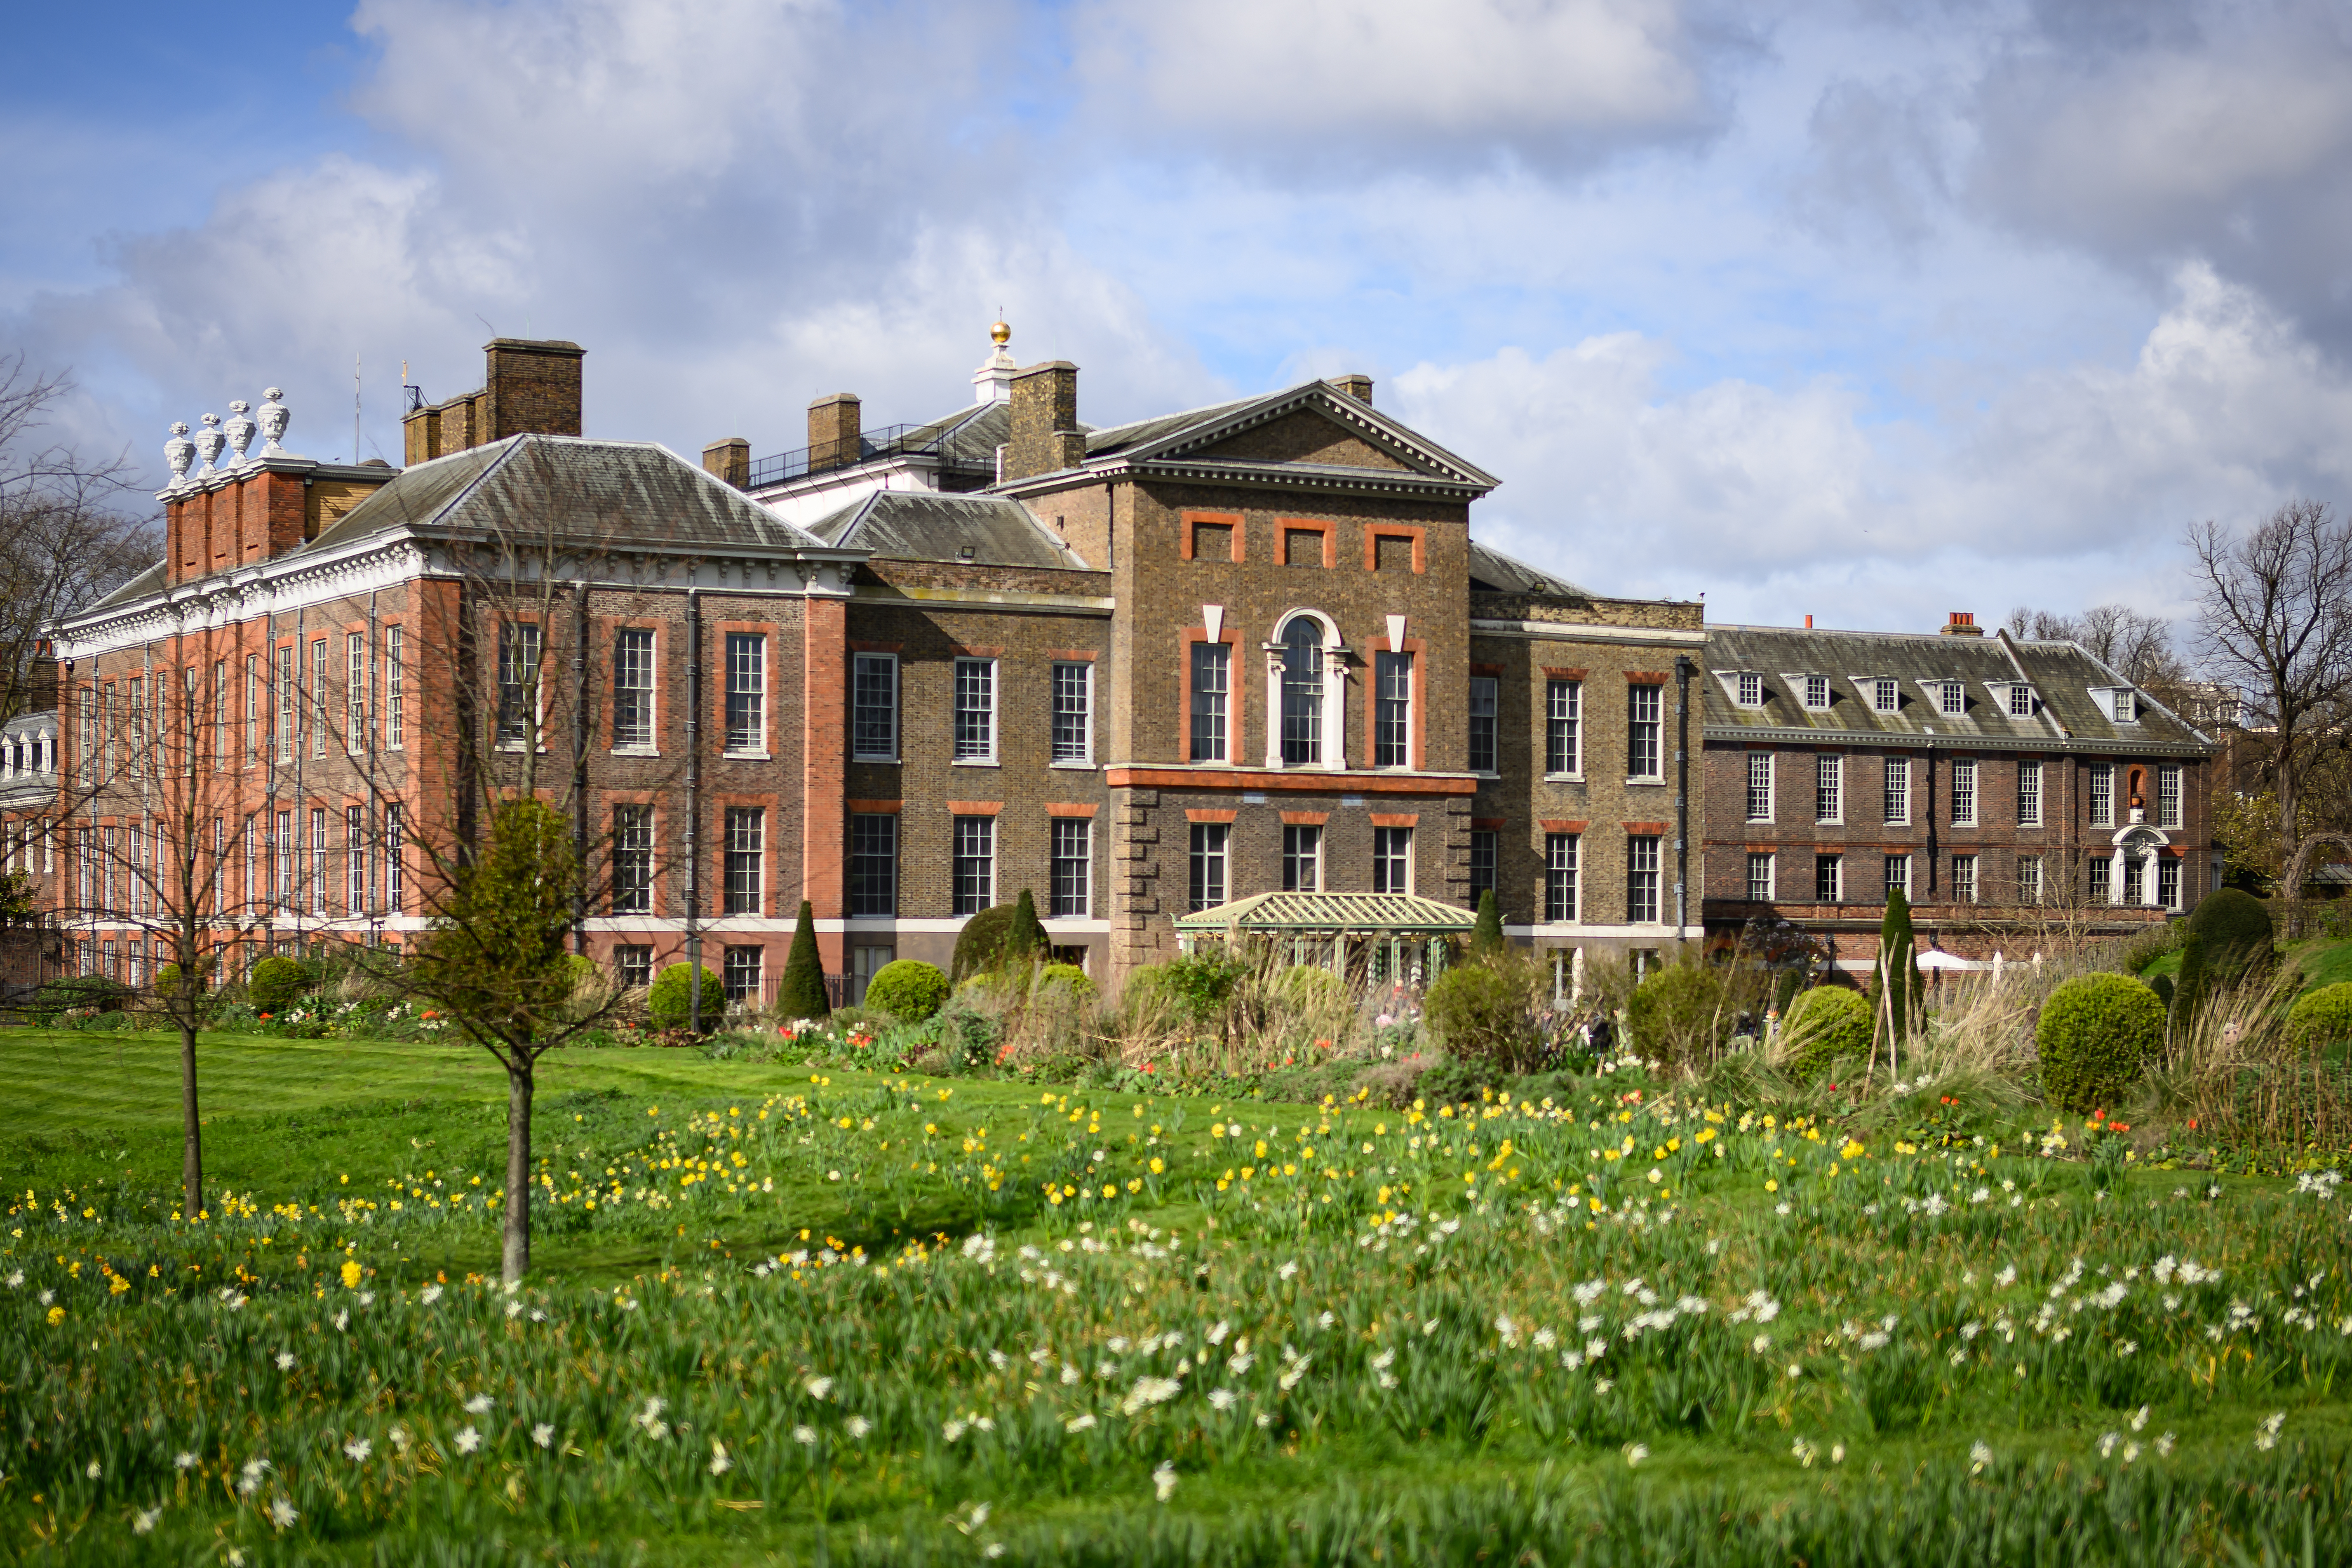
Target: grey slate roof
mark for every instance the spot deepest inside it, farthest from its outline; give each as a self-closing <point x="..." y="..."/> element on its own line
<point x="617" y="493"/>
<point x="2062" y="675"/>
<point x="150" y="581"/>
<point x="1114" y="440"/>
<point x="1492" y="572"/>
<point x="927" y="525"/>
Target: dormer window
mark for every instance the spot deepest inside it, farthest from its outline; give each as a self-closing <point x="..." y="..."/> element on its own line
<point x="1950" y="697"/>
<point x="2120" y="704"/>
<point x="1752" y="690"/>
<point x="1885" y="694"/>
<point x="2020" y="701"/>
<point x="1817" y="692"/>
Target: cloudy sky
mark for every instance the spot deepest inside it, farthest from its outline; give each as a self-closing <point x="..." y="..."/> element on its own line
<point x="1871" y="310"/>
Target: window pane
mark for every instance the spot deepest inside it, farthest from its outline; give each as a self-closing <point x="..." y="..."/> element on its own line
<point x="975" y="864"/>
<point x="1898" y="874"/>
<point x="1484" y="843"/>
<point x="1073" y="712"/>
<point x="1212" y="672"/>
<point x="740" y="975"/>
<point x="1484" y="702"/>
<point x="1642" y="876"/>
<point x="1392" y="711"/>
<point x="633" y="688"/>
<point x="1302" y="858"/>
<point x="633" y="859"/>
<point x="875" y="698"/>
<point x="633" y="964"/>
<point x="1563" y="712"/>
<point x="2029" y="793"/>
<point x="1759" y="878"/>
<point x="1392" y="859"/>
<point x="873" y="864"/>
<point x="1643" y="707"/>
<point x="1760" y="787"/>
<point x="1208" y="879"/>
<point x="1560" y="877"/>
<point x="1828" y="877"/>
<point x="1073" y="867"/>
<point x="746" y="691"/>
<point x="2103" y="795"/>
<point x="1302" y="693"/>
<point x="746" y="841"/>
<point x="1964" y="793"/>
<point x="1898" y="789"/>
<point x="519" y="651"/>
<point x="1964" y="878"/>
<point x="975" y="710"/>
<point x="1829" y="788"/>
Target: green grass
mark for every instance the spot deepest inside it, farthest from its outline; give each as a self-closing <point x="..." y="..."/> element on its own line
<point x="817" y="1315"/>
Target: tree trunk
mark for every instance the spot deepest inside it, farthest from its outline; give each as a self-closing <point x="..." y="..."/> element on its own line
<point x="514" y="1261"/>
<point x="191" y="1158"/>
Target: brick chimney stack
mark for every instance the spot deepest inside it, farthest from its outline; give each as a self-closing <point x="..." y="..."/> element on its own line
<point x="529" y="386"/>
<point x="834" y="426"/>
<point x="1045" y="433"/>
<point x="730" y="459"/>
<point x="1963" y="624"/>
<point x="1356" y="385"/>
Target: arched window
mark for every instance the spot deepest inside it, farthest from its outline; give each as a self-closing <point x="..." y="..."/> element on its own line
<point x="1302" y="691"/>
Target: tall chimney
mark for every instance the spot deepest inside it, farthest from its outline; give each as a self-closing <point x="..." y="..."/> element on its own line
<point x="533" y="387"/>
<point x="1356" y="385"/>
<point x="1963" y="624"/>
<point x="1045" y="435"/>
<point x="833" y="431"/>
<point x="730" y="459"/>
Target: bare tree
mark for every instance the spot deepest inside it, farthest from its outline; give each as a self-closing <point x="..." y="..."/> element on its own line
<point x="64" y="540"/>
<point x="2134" y="644"/>
<point x="2277" y="621"/>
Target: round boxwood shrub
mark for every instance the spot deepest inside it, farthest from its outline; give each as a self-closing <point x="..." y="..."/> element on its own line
<point x="78" y="993"/>
<point x="1068" y="977"/>
<point x="276" y="984"/>
<point x="1678" y="1015"/>
<point x="2096" y="1031"/>
<point x="1478" y="1013"/>
<point x="2321" y="1018"/>
<point x="907" y="989"/>
<point x="669" y="1000"/>
<point x="2234" y="930"/>
<point x="1823" y="1025"/>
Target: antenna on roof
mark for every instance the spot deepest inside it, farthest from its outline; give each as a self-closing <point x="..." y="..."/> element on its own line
<point x="355" y="409"/>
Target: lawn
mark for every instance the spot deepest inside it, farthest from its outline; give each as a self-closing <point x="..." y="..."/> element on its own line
<point x="794" y="1314"/>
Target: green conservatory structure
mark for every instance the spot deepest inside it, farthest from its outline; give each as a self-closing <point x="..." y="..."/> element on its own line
<point x="1379" y="937"/>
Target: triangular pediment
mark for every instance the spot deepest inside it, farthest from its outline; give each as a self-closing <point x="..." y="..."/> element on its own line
<point x="1306" y="437"/>
<point x="1305" y="431"/>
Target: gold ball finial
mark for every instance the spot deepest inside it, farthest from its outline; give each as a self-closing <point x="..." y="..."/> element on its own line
<point x="1000" y="334"/>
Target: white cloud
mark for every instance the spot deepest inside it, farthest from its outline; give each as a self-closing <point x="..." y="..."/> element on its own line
<point x="1305" y="79"/>
<point x="2072" y="486"/>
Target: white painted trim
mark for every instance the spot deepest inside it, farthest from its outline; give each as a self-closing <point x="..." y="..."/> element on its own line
<point x="856" y="925"/>
<point x="1585" y="631"/>
<point x="1557" y="932"/>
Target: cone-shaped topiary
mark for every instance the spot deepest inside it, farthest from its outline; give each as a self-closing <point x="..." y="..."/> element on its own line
<point x="2096" y="1033"/>
<point x="802" y="993"/>
<point x="1486" y="936"/>
<point x="1025" y="942"/>
<point x="2236" y="930"/>
<point x="1895" y="990"/>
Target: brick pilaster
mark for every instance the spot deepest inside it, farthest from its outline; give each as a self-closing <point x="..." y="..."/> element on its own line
<point x="824" y="753"/>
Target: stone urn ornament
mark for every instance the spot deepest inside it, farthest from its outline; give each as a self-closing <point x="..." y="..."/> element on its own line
<point x="239" y="431"/>
<point x="209" y="442"/>
<point x="273" y="422"/>
<point x="180" y="452"/>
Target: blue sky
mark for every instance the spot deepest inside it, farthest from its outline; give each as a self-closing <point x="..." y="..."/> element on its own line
<point x="1871" y="310"/>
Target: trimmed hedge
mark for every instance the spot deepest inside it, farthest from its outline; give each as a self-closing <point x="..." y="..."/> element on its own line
<point x="2234" y="928"/>
<point x="277" y="983"/>
<point x="2097" y="1033"/>
<point x="1823" y="1025"/>
<point x="2321" y="1018"/>
<point x="907" y="989"/>
<point x="73" y="991"/>
<point x="670" y="1000"/>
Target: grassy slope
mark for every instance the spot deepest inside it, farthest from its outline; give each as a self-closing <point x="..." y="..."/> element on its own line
<point x="97" y="1112"/>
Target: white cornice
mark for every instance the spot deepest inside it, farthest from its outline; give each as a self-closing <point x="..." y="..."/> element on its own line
<point x="1589" y="631"/>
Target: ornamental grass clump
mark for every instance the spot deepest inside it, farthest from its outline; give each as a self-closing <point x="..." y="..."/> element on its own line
<point x="2096" y="1034"/>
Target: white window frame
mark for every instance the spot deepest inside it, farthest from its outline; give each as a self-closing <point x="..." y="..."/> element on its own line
<point x="2029" y="791"/>
<point x="395" y="692"/>
<point x="1645" y="886"/>
<point x="2099" y="793"/>
<point x="1967" y="887"/>
<point x="732" y="846"/>
<point x="1657" y="736"/>
<point x="1828" y="787"/>
<point x="1393" y="659"/>
<point x="1769" y="863"/>
<point x="513" y="635"/>
<point x="355" y="692"/>
<point x="989" y="713"/>
<point x="1951" y="699"/>
<point x="1895" y="789"/>
<point x="757" y="746"/>
<point x="1198" y="697"/>
<point x="986" y="862"/>
<point x="2020" y="701"/>
<point x="2029" y="879"/>
<point x="1885" y="694"/>
<point x="1490" y="689"/>
<point x="1885" y="885"/>
<point x="2167" y="881"/>
<point x="651" y="745"/>
<point x="1767" y="770"/>
<point x="1835" y="861"/>
<point x="1563" y="883"/>
<point x="1085" y="755"/>
<point x="1573" y="735"/>
<point x="1818" y="693"/>
<point x="1311" y="859"/>
<point x="1965" y="804"/>
<point x="2167" y="795"/>
<point x="1081" y="829"/>
<point x="1209" y="865"/>
<point x="1747" y="688"/>
<point x="318" y="697"/>
<point x="1399" y="843"/>
<point x="860" y="666"/>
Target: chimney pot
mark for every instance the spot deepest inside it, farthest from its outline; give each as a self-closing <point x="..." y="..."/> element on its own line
<point x="1963" y="624"/>
<point x="833" y="432"/>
